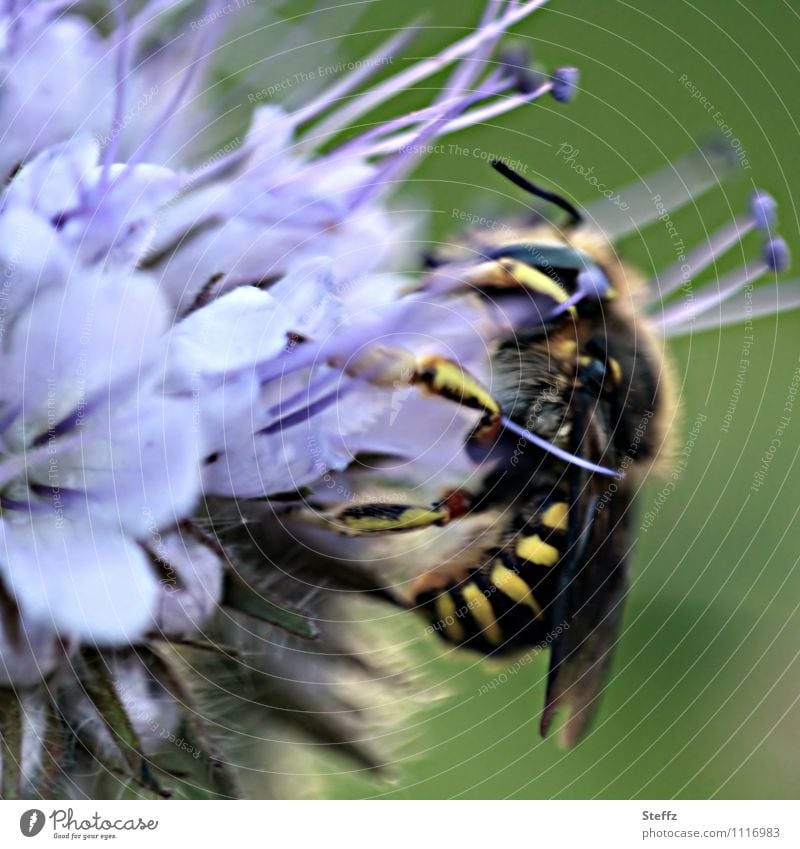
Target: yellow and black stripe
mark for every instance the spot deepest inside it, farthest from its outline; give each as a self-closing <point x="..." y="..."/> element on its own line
<point x="378" y="518"/>
<point x="506" y="604"/>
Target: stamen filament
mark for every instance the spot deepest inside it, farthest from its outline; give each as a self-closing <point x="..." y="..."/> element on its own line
<point x="120" y="95"/>
<point x="698" y="260"/>
<point x="765" y="300"/>
<point x="668" y="189"/>
<point x="401" y="163"/>
<point x="418" y="117"/>
<point x="356" y="77"/>
<point x="558" y="452"/>
<point x="349" y="113"/>
<point x="300" y="401"/>
<point x="467" y="72"/>
<point x="712" y="295"/>
<point x="468" y="119"/>
<point x="190" y="73"/>
<point x="303" y="414"/>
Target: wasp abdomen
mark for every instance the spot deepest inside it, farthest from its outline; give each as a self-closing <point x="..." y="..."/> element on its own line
<point x="505" y="605"/>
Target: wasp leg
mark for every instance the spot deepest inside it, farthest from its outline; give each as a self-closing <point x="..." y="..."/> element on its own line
<point x="381" y="518"/>
<point x="436" y="375"/>
<point x="449" y="380"/>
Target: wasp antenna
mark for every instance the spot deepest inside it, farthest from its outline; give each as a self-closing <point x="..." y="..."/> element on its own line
<point x="551" y="197"/>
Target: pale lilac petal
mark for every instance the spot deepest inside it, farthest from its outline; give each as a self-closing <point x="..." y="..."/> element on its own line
<point x="116" y="223"/>
<point x="310" y="296"/>
<point x="213" y="351"/>
<point x="84" y="580"/>
<point x="262" y="464"/>
<point x="231" y="333"/>
<point x="137" y="466"/>
<point x="32" y="259"/>
<point x="55" y="83"/>
<point x="191" y="584"/>
<point x="75" y="341"/>
<point x="50" y="184"/>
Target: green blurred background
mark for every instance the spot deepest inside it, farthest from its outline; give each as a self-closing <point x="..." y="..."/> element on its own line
<point x="703" y="697"/>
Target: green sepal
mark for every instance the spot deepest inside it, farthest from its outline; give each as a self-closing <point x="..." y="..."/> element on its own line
<point x="100" y="689"/>
<point x="239" y="596"/>
<point x="10" y="744"/>
<point x="165" y="664"/>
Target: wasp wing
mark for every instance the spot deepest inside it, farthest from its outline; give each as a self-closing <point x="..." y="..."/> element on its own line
<point x="592" y="587"/>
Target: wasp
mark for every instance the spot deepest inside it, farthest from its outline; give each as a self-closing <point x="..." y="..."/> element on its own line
<point x="579" y="412"/>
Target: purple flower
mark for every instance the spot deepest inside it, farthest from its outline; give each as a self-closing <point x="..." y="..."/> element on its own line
<point x="196" y="328"/>
<point x="182" y="329"/>
<point x="96" y="457"/>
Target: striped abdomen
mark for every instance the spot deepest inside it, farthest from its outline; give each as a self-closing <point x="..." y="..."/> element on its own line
<point x="506" y="604"/>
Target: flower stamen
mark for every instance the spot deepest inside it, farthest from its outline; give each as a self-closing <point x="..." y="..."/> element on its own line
<point x="761" y="217"/>
<point x="775" y="258"/>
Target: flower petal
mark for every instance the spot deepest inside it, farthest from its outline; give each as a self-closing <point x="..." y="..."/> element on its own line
<point x="32" y="259"/>
<point x="50" y="184"/>
<point x="118" y="218"/>
<point x="192" y="582"/>
<point x="263" y="464"/>
<point x="233" y="332"/>
<point x="83" y="580"/>
<point x="74" y="342"/>
<point x="137" y="465"/>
